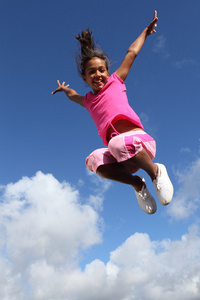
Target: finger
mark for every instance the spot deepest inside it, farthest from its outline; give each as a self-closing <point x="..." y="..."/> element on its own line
<point x="58" y="82"/>
<point x="155" y="14"/>
<point x="63" y="85"/>
<point x="154" y="21"/>
<point x="57" y="90"/>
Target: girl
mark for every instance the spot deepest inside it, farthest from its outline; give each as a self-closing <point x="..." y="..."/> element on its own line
<point x="129" y="147"/>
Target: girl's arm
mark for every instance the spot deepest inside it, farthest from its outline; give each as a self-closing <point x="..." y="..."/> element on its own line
<point x="135" y="48"/>
<point x="70" y="93"/>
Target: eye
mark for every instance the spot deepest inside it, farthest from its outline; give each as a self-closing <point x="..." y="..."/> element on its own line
<point x="91" y="72"/>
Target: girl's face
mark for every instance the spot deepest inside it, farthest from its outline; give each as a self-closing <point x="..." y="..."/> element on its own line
<point x="96" y="74"/>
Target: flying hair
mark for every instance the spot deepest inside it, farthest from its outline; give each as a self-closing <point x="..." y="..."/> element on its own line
<point x="88" y="50"/>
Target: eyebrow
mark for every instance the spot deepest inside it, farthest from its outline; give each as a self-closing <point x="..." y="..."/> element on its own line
<point x="102" y="66"/>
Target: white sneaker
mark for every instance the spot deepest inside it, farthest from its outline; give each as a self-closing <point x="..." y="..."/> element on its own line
<point x="145" y="200"/>
<point x="163" y="186"/>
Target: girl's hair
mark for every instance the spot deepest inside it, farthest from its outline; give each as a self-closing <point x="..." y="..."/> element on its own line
<point x="88" y="50"/>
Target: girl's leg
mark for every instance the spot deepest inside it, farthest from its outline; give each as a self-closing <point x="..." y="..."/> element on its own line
<point x="102" y="162"/>
<point x="120" y="171"/>
<point x="143" y="161"/>
<point x="117" y="172"/>
<point x="158" y="174"/>
<point x="105" y="165"/>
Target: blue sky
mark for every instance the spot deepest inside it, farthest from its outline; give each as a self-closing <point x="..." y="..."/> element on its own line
<point x="58" y="222"/>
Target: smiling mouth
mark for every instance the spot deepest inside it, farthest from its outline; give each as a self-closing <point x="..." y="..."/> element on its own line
<point x="98" y="82"/>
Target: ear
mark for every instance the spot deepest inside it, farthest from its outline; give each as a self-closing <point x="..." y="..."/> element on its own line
<point x="84" y="78"/>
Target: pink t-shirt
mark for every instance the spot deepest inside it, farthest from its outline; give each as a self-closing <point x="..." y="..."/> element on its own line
<point x="110" y="104"/>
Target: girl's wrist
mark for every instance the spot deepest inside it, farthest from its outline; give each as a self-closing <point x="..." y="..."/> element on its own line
<point x="146" y="31"/>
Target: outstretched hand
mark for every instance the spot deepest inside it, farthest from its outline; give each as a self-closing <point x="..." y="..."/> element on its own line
<point x="70" y="93"/>
<point x="152" y="25"/>
<point x="61" y="87"/>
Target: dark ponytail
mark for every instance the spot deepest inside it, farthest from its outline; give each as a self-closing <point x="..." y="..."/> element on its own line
<point x="88" y="50"/>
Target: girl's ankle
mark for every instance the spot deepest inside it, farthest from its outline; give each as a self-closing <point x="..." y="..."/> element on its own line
<point x="155" y="174"/>
<point x="139" y="185"/>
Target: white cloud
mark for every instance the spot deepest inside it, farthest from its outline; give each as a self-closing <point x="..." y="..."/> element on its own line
<point x="99" y="187"/>
<point x="186" y="199"/>
<point x="184" y="62"/>
<point x="160" y="46"/>
<point x="160" y="270"/>
<point x="185" y="150"/>
<point x="138" y="269"/>
<point x="101" y="184"/>
<point x="41" y="217"/>
<point x="44" y="229"/>
<point x="150" y="129"/>
<point x="10" y="284"/>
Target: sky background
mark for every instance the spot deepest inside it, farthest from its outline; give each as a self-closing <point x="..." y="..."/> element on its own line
<point x="65" y="233"/>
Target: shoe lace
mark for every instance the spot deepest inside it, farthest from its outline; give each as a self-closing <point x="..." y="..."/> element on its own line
<point x="142" y="195"/>
<point x="158" y="186"/>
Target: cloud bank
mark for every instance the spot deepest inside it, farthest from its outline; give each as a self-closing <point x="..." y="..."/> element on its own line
<point x="45" y="227"/>
<point x="186" y="200"/>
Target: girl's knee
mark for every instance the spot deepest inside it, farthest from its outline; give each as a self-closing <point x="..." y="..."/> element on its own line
<point x="99" y="157"/>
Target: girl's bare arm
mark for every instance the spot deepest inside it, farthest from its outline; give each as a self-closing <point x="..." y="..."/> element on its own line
<point x="70" y="93"/>
<point x="135" y="48"/>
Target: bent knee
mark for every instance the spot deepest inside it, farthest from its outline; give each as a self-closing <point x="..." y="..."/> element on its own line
<point x="99" y="157"/>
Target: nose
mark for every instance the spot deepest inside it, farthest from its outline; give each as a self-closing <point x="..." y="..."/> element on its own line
<point x="98" y="73"/>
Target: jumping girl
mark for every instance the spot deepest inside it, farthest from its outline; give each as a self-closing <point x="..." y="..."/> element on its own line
<point x="129" y="147"/>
